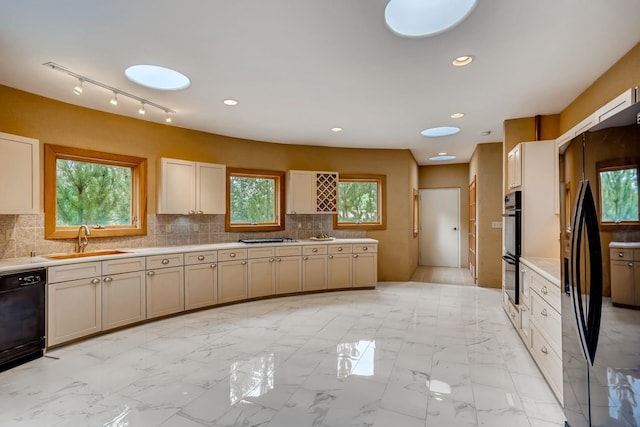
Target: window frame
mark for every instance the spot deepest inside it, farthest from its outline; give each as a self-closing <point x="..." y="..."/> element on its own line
<point x="138" y="165"/>
<point x="278" y="177"/>
<point x="381" y="182"/>
<point x="609" y="166"/>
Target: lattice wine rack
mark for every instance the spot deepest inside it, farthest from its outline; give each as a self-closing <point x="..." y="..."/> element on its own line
<point x="326" y="192"/>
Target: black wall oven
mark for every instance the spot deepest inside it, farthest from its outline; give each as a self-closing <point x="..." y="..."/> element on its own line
<point x="512" y="244"/>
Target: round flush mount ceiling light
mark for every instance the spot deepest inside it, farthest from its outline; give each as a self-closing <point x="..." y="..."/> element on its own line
<point x="442" y="157"/>
<point x="230" y="102"/>
<point x="336" y="129"/>
<point x="155" y="77"/>
<point x="457" y="115"/>
<point x="463" y="60"/>
<point x="440" y="131"/>
<point x="423" y="18"/>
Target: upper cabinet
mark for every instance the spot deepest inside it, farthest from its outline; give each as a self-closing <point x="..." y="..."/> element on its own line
<point x="19" y="175"/>
<point x="186" y="187"/>
<point x="514" y="167"/>
<point x="312" y="192"/>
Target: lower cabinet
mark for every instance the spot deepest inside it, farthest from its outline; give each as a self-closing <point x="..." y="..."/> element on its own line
<point x="165" y="291"/>
<point x="288" y="274"/>
<point x="365" y="266"/>
<point x="123" y="299"/>
<point x="200" y="285"/>
<point x="75" y="309"/>
<point x="232" y="275"/>
<point x="340" y="271"/>
<point x="314" y="272"/>
<point x="261" y="277"/>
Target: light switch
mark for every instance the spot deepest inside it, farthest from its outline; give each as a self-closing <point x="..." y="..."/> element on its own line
<point x="496" y="224"/>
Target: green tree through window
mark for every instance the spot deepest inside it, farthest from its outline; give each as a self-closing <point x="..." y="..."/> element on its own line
<point x="361" y="202"/>
<point x="254" y="200"/>
<point x="619" y="195"/>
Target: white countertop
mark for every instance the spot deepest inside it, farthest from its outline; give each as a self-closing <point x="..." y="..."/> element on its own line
<point x="622" y="245"/>
<point x="549" y="268"/>
<point x="16" y="264"/>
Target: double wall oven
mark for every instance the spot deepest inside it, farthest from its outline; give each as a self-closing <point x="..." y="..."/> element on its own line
<point x="512" y="244"/>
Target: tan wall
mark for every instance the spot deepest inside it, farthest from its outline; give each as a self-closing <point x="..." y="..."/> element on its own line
<point x="64" y="124"/>
<point x="485" y="165"/>
<point x="452" y="176"/>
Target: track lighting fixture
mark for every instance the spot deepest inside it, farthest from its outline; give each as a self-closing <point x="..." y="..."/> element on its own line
<point x="78" y="89"/>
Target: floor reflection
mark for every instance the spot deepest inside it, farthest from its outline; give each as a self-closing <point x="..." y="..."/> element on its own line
<point x="356" y="358"/>
<point x="624" y="388"/>
<point x="251" y="378"/>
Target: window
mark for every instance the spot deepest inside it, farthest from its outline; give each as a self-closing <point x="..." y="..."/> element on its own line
<point x="105" y="191"/>
<point x="361" y="202"/>
<point x="618" y="189"/>
<point x="255" y="200"/>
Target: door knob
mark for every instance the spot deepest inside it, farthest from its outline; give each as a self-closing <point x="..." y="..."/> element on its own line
<point x="455" y="228"/>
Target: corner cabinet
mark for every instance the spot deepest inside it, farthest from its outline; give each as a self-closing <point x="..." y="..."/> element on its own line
<point x="20" y="166"/>
<point x="312" y="192"/>
<point x="186" y="187"/>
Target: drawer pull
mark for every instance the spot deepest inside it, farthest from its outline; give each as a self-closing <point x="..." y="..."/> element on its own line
<point x="513" y="314"/>
<point x="150" y="273"/>
<point x="232" y="255"/>
<point x="200" y="212"/>
<point x="544" y="290"/>
<point x="340" y="249"/>
<point x="621" y="255"/>
<point x="355" y="255"/>
<point x="544" y="350"/>
<point x="330" y="256"/>
<point x="191" y="212"/>
<point x="271" y="259"/>
<point x="544" y="312"/>
<point x="364" y="248"/>
<point x="278" y="259"/>
<point x="107" y="279"/>
<point x="213" y="265"/>
<point x="314" y="250"/>
<point x="165" y="261"/>
<point x="305" y="258"/>
<point x="630" y="264"/>
<point x="95" y="281"/>
<point x="243" y="262"/>
<point x="200" y="257"/>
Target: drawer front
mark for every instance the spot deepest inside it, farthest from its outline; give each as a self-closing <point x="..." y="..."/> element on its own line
<point x="360" y="248"/>
<point x="546" y="290"/>
<point x="547" y="320"/>
<point x="288" y="250"/>
<point x="64" y="273"/>
<point x="340" y="249"/>
<point x="622" y="254"/>
<point x="163" y="261"/>
<point x="314" y="250"/>
<point x="513" y="314"/>
<point x="548" y="360"/>
<point x="267" y="252"/>
<point x="124" y="265"/>
<point x="232" y="254"/>
<point x="202" y="257"/>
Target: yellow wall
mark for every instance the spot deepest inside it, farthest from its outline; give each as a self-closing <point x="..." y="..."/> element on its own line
<point x="452" y="176"/>
<point x="486" y="166"/>
<point x="64" y="124"/>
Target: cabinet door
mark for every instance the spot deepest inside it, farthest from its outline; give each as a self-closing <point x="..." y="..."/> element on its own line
<point x="622" y="282"/>
<point x="75" y="309"/>
<point x="232" y="281"/>
<point x="301" y="192"/>
<point x="176" y="187"/>
<point x="200" y="285"/>
<point x="210" y="188"/>
<point x="339" y="271"/>
<point x="288" y="274"/>
<point x="165" y="291"/>
<point x="514" y="167"/>
<point x="365" y="270"/>
<point x="261" y="277"/>
<point x="19" y="165"/>
<point x="123" y="299"/>
<point x="314" y="272"/>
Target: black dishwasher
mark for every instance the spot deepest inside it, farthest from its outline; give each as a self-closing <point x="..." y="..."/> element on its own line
<point x="22" y="316"/>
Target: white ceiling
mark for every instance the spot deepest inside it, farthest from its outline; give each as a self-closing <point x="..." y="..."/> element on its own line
<point x="301" y="67"/>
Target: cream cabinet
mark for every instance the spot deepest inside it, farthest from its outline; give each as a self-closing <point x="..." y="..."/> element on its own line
<point x="74" y="301"/>
<point x="288" y="273"/>
<point x="314" y="268"/>
<point x="311" y="192"/>
<point x="365" y="266"/>
<point x="514" y="167"/>
<point x="232" y="275"/>
<point x="186" y="187"/>
<point x="340" y="266"/>
<point x="19" y="175"/>
<point x="200" y="279"/>
<point x="165" y="285"/>
<point x="625" y="275"/>
<point x="261" y="272"/>
<point x="123" y="292"/>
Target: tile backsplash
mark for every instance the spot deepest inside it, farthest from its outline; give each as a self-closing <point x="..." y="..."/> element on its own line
<point x="22" y="234"/>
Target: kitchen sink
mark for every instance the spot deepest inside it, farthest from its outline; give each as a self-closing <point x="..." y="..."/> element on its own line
<point x="86" y="254"/>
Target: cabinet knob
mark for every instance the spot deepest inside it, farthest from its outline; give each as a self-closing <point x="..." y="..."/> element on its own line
<point x="544" y="312"/>
<point x="271" y="259"/>
<point x="620" y="254"/>
<point x="630" y="264"/>
<point x="107" y="279"/>
<point x="232" y="255"/>
<point x="293" y="212"/>
<point x="544" y="290"/>
<point x="200" y="212"/>
<point x="544" y="350"/>
<point x="191" y="212"/>
<point x="330" y="256"/>
<point x="523" y="271"/>
<point x="513" y="314"/>
<point x="278" y="259"/>
<point x="314" y="250"/>
<point x="200" y="257"/>
<point x="95" y="281"/>
<point x="213" y="266"/>
<point x="243" y="262"/>
<point x="355" y="255"/>
<point x="364" y="248"/>
<point x="165" y="261"/>
<point x="340" y="249"/>
<point x="150" y="273"/>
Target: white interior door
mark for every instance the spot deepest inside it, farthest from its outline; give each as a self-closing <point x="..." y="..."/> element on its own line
<point x="440" y="227"/>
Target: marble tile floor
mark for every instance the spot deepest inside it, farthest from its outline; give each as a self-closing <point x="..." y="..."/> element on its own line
<point x="443" y="275"/>
<point x="406" y="354"/>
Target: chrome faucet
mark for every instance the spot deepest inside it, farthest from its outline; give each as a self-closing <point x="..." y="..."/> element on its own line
<point x="83" y="241"/>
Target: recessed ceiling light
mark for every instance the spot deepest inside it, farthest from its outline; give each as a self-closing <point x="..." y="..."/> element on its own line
<point x="156" y="77"/>
<point x="457" y="115"/>
<point x="230" y="102"/>
<point x="462" y="60"/>
<point x="336" y="129"/>
<point x="413" y="18"/>
<point x="440" y="131"/>
<point x="442" y="158"/>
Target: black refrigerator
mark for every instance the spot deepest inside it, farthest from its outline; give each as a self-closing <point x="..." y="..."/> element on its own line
<point x="600" y="340"/>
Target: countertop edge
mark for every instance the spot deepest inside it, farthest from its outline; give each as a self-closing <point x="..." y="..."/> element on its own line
<point x="549" y="268"/>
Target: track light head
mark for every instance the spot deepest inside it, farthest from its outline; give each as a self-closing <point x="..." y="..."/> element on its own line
<point x="114" y="100"/>
<point x="168" y="118"/>
<point x="141" y="110"/>
<point x="78" y="89"/>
